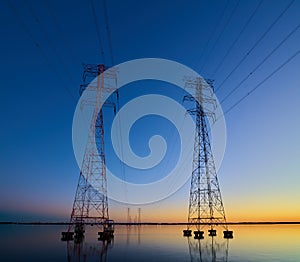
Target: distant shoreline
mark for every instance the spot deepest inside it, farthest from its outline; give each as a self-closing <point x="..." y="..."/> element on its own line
<point x="153" y="223"/>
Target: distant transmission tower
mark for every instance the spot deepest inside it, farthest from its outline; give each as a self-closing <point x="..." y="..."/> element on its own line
<point x="128" y="216"/>
<point x="91" y="204"/>
<point x="139" y="216"/>
<point x="205" y="203"/>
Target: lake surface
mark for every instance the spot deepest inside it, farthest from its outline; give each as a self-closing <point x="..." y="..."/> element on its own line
<point x="151" y="243"/>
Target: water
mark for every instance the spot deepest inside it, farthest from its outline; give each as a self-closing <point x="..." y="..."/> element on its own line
<point x="151" y="243"/>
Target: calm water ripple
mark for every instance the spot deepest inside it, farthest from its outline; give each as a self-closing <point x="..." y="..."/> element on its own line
<point x="151" y="243"/>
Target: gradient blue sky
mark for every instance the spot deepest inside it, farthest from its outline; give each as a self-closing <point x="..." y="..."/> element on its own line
<point x="43" y="45"/>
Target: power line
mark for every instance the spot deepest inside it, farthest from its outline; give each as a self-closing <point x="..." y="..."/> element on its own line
<point x="261" y="83"/>
<point x="256" y="43"/>
<point x="117" y="95"/>
<point x="236" y="39"/>
<point x="262" y="62"/>
<point x="48" y="39"/>
<point x="58" y="27"/>
<point x="38" y="46"/>
<point x="215" y="28"/>
<point x="221" y="33"/>
<point x="108" y="32"/>
<point x="97" y="30"/>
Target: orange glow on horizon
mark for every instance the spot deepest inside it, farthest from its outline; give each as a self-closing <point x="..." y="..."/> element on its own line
<point x="172" y="214"/>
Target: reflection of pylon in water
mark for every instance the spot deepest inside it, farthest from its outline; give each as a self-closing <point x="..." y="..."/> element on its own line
<point x="210" y="250"/>
<point x="91" y="204"/>
<point x="205" y="203"/>
<point x="82" y="251"/>
<point x="139" y="225"/>
<point x="133" y="234"/>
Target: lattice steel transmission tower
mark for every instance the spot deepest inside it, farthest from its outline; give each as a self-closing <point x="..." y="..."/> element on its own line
<point x="91" y="203"/>
<point x="205" y="203"/>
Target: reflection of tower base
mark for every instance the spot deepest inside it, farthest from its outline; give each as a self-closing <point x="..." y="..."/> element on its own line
<point x="228" y="234"/>
<point x="212" y="249"/>
<point x="198" y="234"/>
<point x="78" y="238"/>
<point x="87" y="251"/>
<point x="187" y="233"/>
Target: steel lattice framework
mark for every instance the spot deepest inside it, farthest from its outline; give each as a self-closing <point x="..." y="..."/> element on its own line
<point x="91" y="204"/>
<point x="205" y="202"/>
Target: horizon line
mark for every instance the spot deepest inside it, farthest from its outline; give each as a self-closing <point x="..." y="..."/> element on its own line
<point x="153" y="223"/>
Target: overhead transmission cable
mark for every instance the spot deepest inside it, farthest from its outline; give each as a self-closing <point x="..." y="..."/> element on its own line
<point x="261" y="62"/>
<point x="107" y="28"/>
<point x="57" y="24"/>
<point x="38" y="46"/>
<point x="215" y="28"/>
<point x="48" y="39"/>
<point x="236" y="39"/>
<point x="256" y="43"/>
<point x="261" y="83"/>
<point x="221" y="33"/>
<point x="97" y="30"/>
<point x="108" y="32"/>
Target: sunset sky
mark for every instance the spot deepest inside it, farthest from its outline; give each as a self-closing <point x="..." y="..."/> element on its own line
<point x="44" y="44"/>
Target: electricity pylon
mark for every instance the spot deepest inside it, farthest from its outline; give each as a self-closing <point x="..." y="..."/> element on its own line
<point x="205" y="202"/>
<point x="91" y="205"/>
